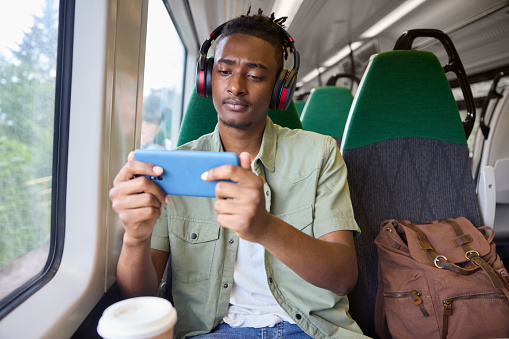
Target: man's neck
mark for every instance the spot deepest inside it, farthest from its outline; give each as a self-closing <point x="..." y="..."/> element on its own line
<point x="238" y="141"/>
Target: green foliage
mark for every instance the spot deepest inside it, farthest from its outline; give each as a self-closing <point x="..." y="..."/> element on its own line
<point x="27" y="106"/>
<point x="24" y="208"/>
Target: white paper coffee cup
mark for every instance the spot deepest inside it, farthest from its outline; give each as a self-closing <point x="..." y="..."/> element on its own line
<point x="138" y="318"/>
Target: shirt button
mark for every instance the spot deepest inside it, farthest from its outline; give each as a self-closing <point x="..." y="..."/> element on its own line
<point x="193" y="236"/>
<point x="225" y="285"/>
<point x="231" y="241"/>
<point x="270" y="280"/>
<point x="267" y="193"/>
<point x="298" y="316"/>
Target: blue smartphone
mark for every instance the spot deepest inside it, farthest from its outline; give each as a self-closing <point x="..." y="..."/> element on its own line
<point x="183" y="169"/>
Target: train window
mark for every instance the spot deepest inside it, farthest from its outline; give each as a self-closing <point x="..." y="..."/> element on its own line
<point x="29" y="86"/>
<point x="163" y="80"/>
<point x="480" y="90"/>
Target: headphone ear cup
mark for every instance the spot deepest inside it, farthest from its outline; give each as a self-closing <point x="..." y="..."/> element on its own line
<point x="288" y="90"/>
<point x="208" y="77"/>
<point x="278" y="87"/>
<point x="204" y="77"/>
<point x="200" y="75"/>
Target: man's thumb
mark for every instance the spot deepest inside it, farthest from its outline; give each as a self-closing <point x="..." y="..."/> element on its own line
<point x="245" y="160"/>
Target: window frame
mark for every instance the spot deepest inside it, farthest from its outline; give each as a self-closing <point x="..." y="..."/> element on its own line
<point x="184" y="66"/>
<point x="60" y="159"/>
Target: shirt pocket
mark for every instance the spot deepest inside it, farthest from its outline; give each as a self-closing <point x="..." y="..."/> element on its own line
<point x="192" y="244"/>
<point x="301" y="218"/>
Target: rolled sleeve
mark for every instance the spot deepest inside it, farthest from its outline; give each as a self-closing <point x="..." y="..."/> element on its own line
<point x="333" y="207"/>
<point x="160" y="239"/>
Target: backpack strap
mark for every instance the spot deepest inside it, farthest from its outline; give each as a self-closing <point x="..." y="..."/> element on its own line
<point x="440" y="261"/>
<point x="472" y="255"/>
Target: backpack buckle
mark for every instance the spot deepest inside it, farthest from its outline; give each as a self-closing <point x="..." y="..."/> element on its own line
<point x="471" y="254"/>
<point x="437" y="259"/>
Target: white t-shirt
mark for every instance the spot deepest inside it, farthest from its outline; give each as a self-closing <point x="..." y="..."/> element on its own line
<point x="251" y="302"/>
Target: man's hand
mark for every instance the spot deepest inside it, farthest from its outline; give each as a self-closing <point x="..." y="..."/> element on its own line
<point x="136" y="199"/>
<point x="328" y="262"/>
<point x="240" y="206"/>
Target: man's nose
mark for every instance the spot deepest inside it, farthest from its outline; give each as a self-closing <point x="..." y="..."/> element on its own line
<point x="237" y="84"/>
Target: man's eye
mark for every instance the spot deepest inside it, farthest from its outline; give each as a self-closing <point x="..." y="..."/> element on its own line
<point x="224" y="72"/>
<point x="254" y="77"/>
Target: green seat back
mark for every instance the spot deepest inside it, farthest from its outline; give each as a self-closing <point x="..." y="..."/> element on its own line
<point x="404" y="93"/>
<point x="407" y="157"/>
<point x="201" y="118"/>
<point x="326" y="110"/>
<point x="289" y="118"/>
<point x="299" y="104"/>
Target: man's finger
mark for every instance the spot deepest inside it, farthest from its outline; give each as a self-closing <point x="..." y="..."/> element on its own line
<point x="137" y="186"/>
<point x="134" y="168"/>
<point x="231" y="221"/>
<point x="226" y="172"/>
<point x="135" y="201"/>
<point x="139" y="215"/>
<point x="229" y="206"/>
<point x="230" y="172"/>
<point x="245" y="160"/>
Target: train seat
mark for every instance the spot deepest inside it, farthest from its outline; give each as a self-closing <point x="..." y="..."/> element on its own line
<point x="299" y="104"/>
<point x="326" y="111"/>
<point x="407" y="157"/>
<point x="289" y="118"/>
<point x="200" y="118"/>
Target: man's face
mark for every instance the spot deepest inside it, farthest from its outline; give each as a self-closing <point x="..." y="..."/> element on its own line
<point x="243" y="78"/>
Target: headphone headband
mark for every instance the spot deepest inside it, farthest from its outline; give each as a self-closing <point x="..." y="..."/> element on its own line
<point x="284" y="86"/>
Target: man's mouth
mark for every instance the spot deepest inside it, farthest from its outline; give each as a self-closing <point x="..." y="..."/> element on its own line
<point x="235" y="105"/>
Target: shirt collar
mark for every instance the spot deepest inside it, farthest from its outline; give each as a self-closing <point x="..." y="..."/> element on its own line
<point x="217" y="145"/>
<point x="267" y="154"/>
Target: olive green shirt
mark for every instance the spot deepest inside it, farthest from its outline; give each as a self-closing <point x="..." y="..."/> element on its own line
<point x="305" y="185"/>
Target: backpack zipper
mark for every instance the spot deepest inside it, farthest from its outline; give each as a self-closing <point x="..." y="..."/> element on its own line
<point x="448" y="306"/>
<point x="416" y="299"/>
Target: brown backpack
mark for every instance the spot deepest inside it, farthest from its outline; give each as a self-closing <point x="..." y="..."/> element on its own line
<point x="440" y="279"/>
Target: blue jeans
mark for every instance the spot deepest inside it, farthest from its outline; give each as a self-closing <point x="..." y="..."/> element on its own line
<point x="281" y="330"/>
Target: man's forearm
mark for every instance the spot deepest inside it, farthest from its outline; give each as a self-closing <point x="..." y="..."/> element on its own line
<point x="136" y="275"/>
<point x="325" y="263"/>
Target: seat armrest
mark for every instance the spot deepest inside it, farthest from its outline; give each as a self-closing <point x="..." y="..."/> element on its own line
<point x="501" y="169"/>
<point x="487" y="194"/>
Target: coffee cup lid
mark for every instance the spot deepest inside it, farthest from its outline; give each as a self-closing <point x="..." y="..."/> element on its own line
<point x="137" y="318"/>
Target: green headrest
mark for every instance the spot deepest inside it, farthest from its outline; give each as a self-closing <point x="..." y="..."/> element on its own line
<point x="201" y="118"/>
<point x="326" y="110"/>
<point x="403" y="93"/>
<point x="289" y="118"/>
<point x="299" y="104"/>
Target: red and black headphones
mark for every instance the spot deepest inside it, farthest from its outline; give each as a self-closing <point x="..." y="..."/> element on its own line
<point x="285" y="82"/>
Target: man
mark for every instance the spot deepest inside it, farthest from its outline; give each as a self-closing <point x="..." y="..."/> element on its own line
<point x="274" y="251"/>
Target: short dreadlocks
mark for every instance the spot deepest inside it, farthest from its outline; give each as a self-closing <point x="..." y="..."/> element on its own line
<point x="263" y="27"/>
